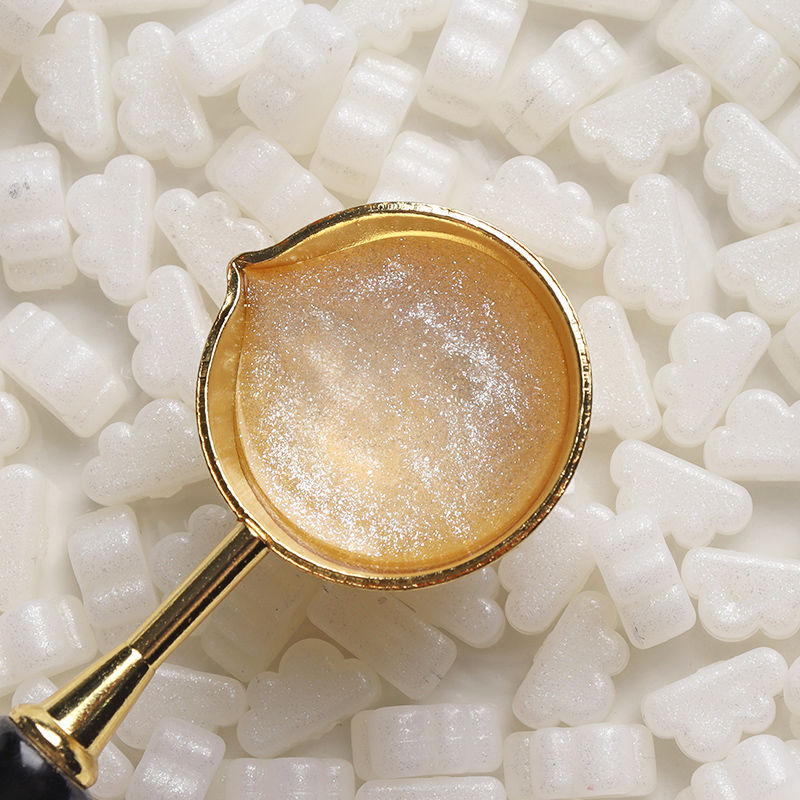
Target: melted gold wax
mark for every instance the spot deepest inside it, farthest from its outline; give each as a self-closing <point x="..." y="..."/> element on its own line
<point x="401" y="402"/>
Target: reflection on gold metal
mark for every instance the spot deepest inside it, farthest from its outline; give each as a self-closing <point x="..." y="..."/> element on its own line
<point x="72" y="726"/>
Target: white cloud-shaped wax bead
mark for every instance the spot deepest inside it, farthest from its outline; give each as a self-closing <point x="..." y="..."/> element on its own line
<point x="113" y="215"/>
<point x="360" y="128"/>
<point x="710" y="360"/>
<point x="760" y="440"/>
<point x="708" y="711"/>
<point x="207" y="232"/>
<point x="35" y="241"/>
<point x="407" y="652"/>
<point x="570" y="679"/>
<point x="192" y="695"/>
<point x="627" y="9"/>
<point x="43" y="637"/>
<point x="740" y="594"/>
<point x="622" y="400"/>
<point x="178" y="764"/>
<point x="313" y="690"/>
<point x="388" y="25"/>
<point x="252" y="625"/>
<point x="785" y="351"/>
<point x="171" y="325"/>
<point x="418" y="168"/>
<point x="157" y="116"/>
<point x="26" y="498"/>
<point x="466" y="607"/>
<point x="545" y="571"/>
<point x="14" y="423"/>
<point x="467" y="62"/>
<point x="114" y="769"/>
<point x="535" y="101"/>
<point x="759" y="768"/>
<point x="289" y="94"/>
<point x="472" y="787"/>
<point x="745" y="64"/>
<point x="113" y="8"/>
<point x="22" y="22"/>
<point x="634" y="130"/>
<point x="70" y="71"/>
<point x="174" y="558"/>
<point x="58" y="369"/>
<point x="759" y="173"/>
<point x="156" y="456"/>
<point x="105" y="550"/>
<point x="688" y="502"/>
<point x="780" y="18"/>
<point x="661" y="251"/>
<point x="600" y="760"/>
<point x="423" y="740"/>
<point x="564" y="227"/>
<point x="212" y="55"/>
<point x="289" y="779"/>
<point x="763" y="269"/>
<point x="268" y="183"/>
<point x="642" y="579"/>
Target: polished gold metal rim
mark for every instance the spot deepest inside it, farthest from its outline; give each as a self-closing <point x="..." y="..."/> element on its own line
<point x="349" y="228"/>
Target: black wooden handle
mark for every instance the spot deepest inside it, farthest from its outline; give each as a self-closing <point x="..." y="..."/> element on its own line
<point x="25" y="774"/>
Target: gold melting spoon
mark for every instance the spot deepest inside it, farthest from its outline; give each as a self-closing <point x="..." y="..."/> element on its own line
<point x="390" y="398"/>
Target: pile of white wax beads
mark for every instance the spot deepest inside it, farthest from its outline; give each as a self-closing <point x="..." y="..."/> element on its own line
<point x="649" y="152"/>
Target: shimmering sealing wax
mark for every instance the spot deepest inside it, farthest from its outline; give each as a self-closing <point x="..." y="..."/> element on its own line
<point x="401" y="401"/>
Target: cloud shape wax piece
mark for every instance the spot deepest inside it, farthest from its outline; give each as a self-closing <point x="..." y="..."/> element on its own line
<point x="760" y="440"/>
<point x="156" y="456"/>
<point x="314" y="688"/>
<point x="600" y="760"/>
<point x="469" y="57"/>
<point x="570" y="679"/>
<point x="58" y="369"/>
<point x="35" y="240"/>
<point x="642" y="579"/>
<point x="207" y="232"/>
<point x="158" y="117"/>
<point x="171" y="325"/>
<point x="661" y="249"/>
<point x="759" y="173"/>
<point x="745" y="63"/>
<point x="689" y="502"/>
<point x="564" y="227"/>
<point x="535" y="101"/>
<point x="268" y="183"/>
<point x="303" y="65"/>
<point x="763" y="269"/>
<point x="634" y="130"/>
<point x="113" y="215"/>
<point x="361" y="126"/>
<point x="70" y="71"/>
<point x="707" y="712"/>
<point x="710" y="360"/>
<point x="740" y="594"/>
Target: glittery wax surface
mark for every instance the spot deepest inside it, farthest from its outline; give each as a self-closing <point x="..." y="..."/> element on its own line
<point x="401" y="402"/>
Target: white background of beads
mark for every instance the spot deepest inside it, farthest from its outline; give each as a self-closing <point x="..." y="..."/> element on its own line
<point x="480" y="675"/>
